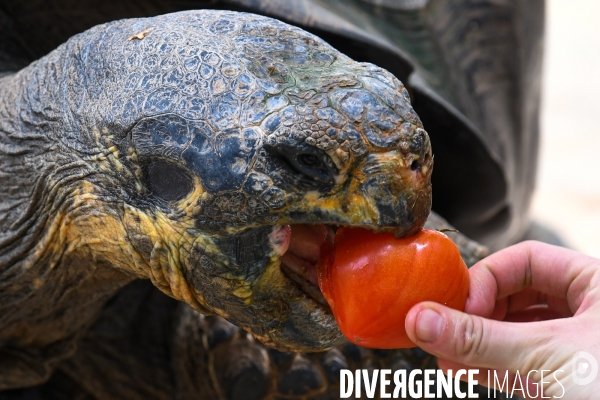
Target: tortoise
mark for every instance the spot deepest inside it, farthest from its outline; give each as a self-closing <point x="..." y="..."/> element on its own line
<point x="131" y="151"/>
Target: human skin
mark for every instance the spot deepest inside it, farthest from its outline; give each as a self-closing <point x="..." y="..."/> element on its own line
<point x="531" y="306"/>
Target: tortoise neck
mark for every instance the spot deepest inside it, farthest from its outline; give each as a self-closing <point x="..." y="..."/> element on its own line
<point x="53" y="278"/>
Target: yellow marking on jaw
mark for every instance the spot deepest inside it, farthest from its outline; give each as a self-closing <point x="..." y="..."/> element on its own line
<point x="169" y="237"/>
<point x="90" y="227"/>
<point x="81" y="228"/>
<point x="351" y="204"/>
<point x="174" y="237"/>
<point x="272" y="279"/>
<point x="190" y="204"/>
<point x="114" y="236"/>
<point x="244" y="292"/>
<point x="358" y="209"/>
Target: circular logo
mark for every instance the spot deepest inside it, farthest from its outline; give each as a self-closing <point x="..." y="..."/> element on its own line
<point x="585" y="368"/>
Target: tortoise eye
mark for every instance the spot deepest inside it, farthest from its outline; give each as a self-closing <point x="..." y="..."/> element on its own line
<point x="314" y="166"/>
<point x="309" y="160"/>
<point x="168" y="181"/>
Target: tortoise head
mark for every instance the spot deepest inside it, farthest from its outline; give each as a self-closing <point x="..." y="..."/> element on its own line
<point x="234" y="142"/>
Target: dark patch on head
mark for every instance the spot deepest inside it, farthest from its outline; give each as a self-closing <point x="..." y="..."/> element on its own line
<point x="166" y="135"/>
<point x="143" y="244"/>
<point x="247" y="250"/>
<point x="168" y="181"/>
<point x="224" y="164"/>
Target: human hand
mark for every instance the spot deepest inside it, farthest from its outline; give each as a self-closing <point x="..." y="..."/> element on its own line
<point x="531" y="307"/>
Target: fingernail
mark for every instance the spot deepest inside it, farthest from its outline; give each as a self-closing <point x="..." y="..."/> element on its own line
<point x="429" y="325"/>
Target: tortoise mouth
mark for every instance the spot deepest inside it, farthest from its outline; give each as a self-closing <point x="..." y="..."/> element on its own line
<point x="299" y="262"/>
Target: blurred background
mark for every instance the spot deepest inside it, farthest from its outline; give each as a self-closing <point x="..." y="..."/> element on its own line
<point x="567" y="196"/>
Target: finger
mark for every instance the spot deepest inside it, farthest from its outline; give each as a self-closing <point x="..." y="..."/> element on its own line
<point x="476" y="341"/>
<point x="529" y="297"/>
<point x="556" y="271"/>
<point x="525" y="299"/>
<point x="533" y="314"/>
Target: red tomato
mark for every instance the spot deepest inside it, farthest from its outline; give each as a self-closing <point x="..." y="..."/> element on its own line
<point x="372" y="280"/>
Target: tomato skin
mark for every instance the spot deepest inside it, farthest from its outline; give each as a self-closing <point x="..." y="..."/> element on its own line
<point x="372" y="280"/>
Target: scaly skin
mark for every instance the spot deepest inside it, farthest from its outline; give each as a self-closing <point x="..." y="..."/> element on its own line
<point x="176" y="148"/>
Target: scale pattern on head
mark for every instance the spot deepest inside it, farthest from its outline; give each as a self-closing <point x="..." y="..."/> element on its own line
<point x="215" y="129"/>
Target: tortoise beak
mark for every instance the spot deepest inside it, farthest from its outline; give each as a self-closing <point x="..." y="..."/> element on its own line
<point x="387" y="192"/>
<point x="399" y="190"/>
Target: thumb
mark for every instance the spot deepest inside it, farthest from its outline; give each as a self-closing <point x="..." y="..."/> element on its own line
<point x="479" y="342"/>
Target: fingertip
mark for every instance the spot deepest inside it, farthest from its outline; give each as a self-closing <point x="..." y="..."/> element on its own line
<point x="410" y="321"/>
<point x="423" y="323"/>
<point x="428" y="325"/>
<point x="482" y="291"/>
<point x="433" y="327"/>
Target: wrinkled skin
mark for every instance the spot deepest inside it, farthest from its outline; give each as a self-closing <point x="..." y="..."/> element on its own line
<point x="179" y="155"/>
<point x="472" y="68"/>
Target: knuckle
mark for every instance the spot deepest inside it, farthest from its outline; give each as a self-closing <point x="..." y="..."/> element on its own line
<point x="471" y="341"/>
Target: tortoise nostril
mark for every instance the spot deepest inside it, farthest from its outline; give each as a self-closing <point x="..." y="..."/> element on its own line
<point x="414" y="165"/>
